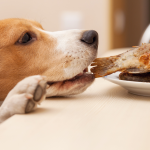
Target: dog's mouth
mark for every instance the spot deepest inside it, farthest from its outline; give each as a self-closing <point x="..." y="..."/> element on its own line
<point x="82" y="77"/>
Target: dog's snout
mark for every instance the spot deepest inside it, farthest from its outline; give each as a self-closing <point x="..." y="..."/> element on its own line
<point x="90" y="37"/>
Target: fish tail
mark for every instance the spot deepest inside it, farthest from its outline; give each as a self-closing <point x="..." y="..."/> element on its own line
<point x="104" y="66"/>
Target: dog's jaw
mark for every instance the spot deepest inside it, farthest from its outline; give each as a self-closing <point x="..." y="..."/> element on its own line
<point x="70" y="87"/>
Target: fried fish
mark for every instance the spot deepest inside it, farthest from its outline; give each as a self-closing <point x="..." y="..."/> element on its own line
<point x="135" y="60"/>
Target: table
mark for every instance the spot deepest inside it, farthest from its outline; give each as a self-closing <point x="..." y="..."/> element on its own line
<point x="104" y="117"/>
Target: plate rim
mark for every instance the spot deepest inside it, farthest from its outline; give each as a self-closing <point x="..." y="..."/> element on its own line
<point x="108" y="77"/>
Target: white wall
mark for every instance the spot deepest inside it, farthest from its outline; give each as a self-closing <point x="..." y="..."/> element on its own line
<point x="95" y="14"/>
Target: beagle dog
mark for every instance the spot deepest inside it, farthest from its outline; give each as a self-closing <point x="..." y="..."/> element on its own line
<point x="35" y="64"/>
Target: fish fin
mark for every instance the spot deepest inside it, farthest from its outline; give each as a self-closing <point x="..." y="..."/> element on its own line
<point x="104" y="66"/>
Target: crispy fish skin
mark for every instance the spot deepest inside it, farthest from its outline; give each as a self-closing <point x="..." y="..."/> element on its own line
<point x="143" y="77"/>
<point x="136" y="60"/>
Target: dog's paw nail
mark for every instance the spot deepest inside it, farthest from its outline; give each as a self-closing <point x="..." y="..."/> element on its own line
<point x="40" y="91"/>
<point x="30" y="106"/>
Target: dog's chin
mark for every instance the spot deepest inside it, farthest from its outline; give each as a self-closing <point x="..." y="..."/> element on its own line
<point x="75" y="85"/>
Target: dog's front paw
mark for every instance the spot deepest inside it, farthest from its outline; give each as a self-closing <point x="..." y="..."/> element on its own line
<point x="24" y="97"/>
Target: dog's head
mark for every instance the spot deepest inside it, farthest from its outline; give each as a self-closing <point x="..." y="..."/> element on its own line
<point x="63" y="57"/>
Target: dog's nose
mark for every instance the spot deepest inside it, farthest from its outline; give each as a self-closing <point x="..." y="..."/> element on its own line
<point x="90" y="37"/>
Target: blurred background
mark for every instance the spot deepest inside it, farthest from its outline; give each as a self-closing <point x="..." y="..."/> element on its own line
<point x="120" y="23"/>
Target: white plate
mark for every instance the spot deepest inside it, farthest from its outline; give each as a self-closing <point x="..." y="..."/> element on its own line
<point x="138" y="88"/>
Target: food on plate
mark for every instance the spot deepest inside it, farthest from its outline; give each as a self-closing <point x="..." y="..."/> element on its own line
<point x="140" y="77"/>
<point x="135" y="60"/>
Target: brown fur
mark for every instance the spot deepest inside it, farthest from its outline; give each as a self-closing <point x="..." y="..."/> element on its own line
<point x="18" y="62"/>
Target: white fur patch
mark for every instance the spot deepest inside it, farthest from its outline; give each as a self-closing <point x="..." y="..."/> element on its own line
<point x="78" y="53"/>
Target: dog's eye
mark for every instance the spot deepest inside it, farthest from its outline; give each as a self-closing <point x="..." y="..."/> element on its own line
<point x="25" y="39"/>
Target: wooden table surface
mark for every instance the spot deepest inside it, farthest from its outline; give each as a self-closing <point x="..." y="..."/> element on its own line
<point x="104" y="117"/>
